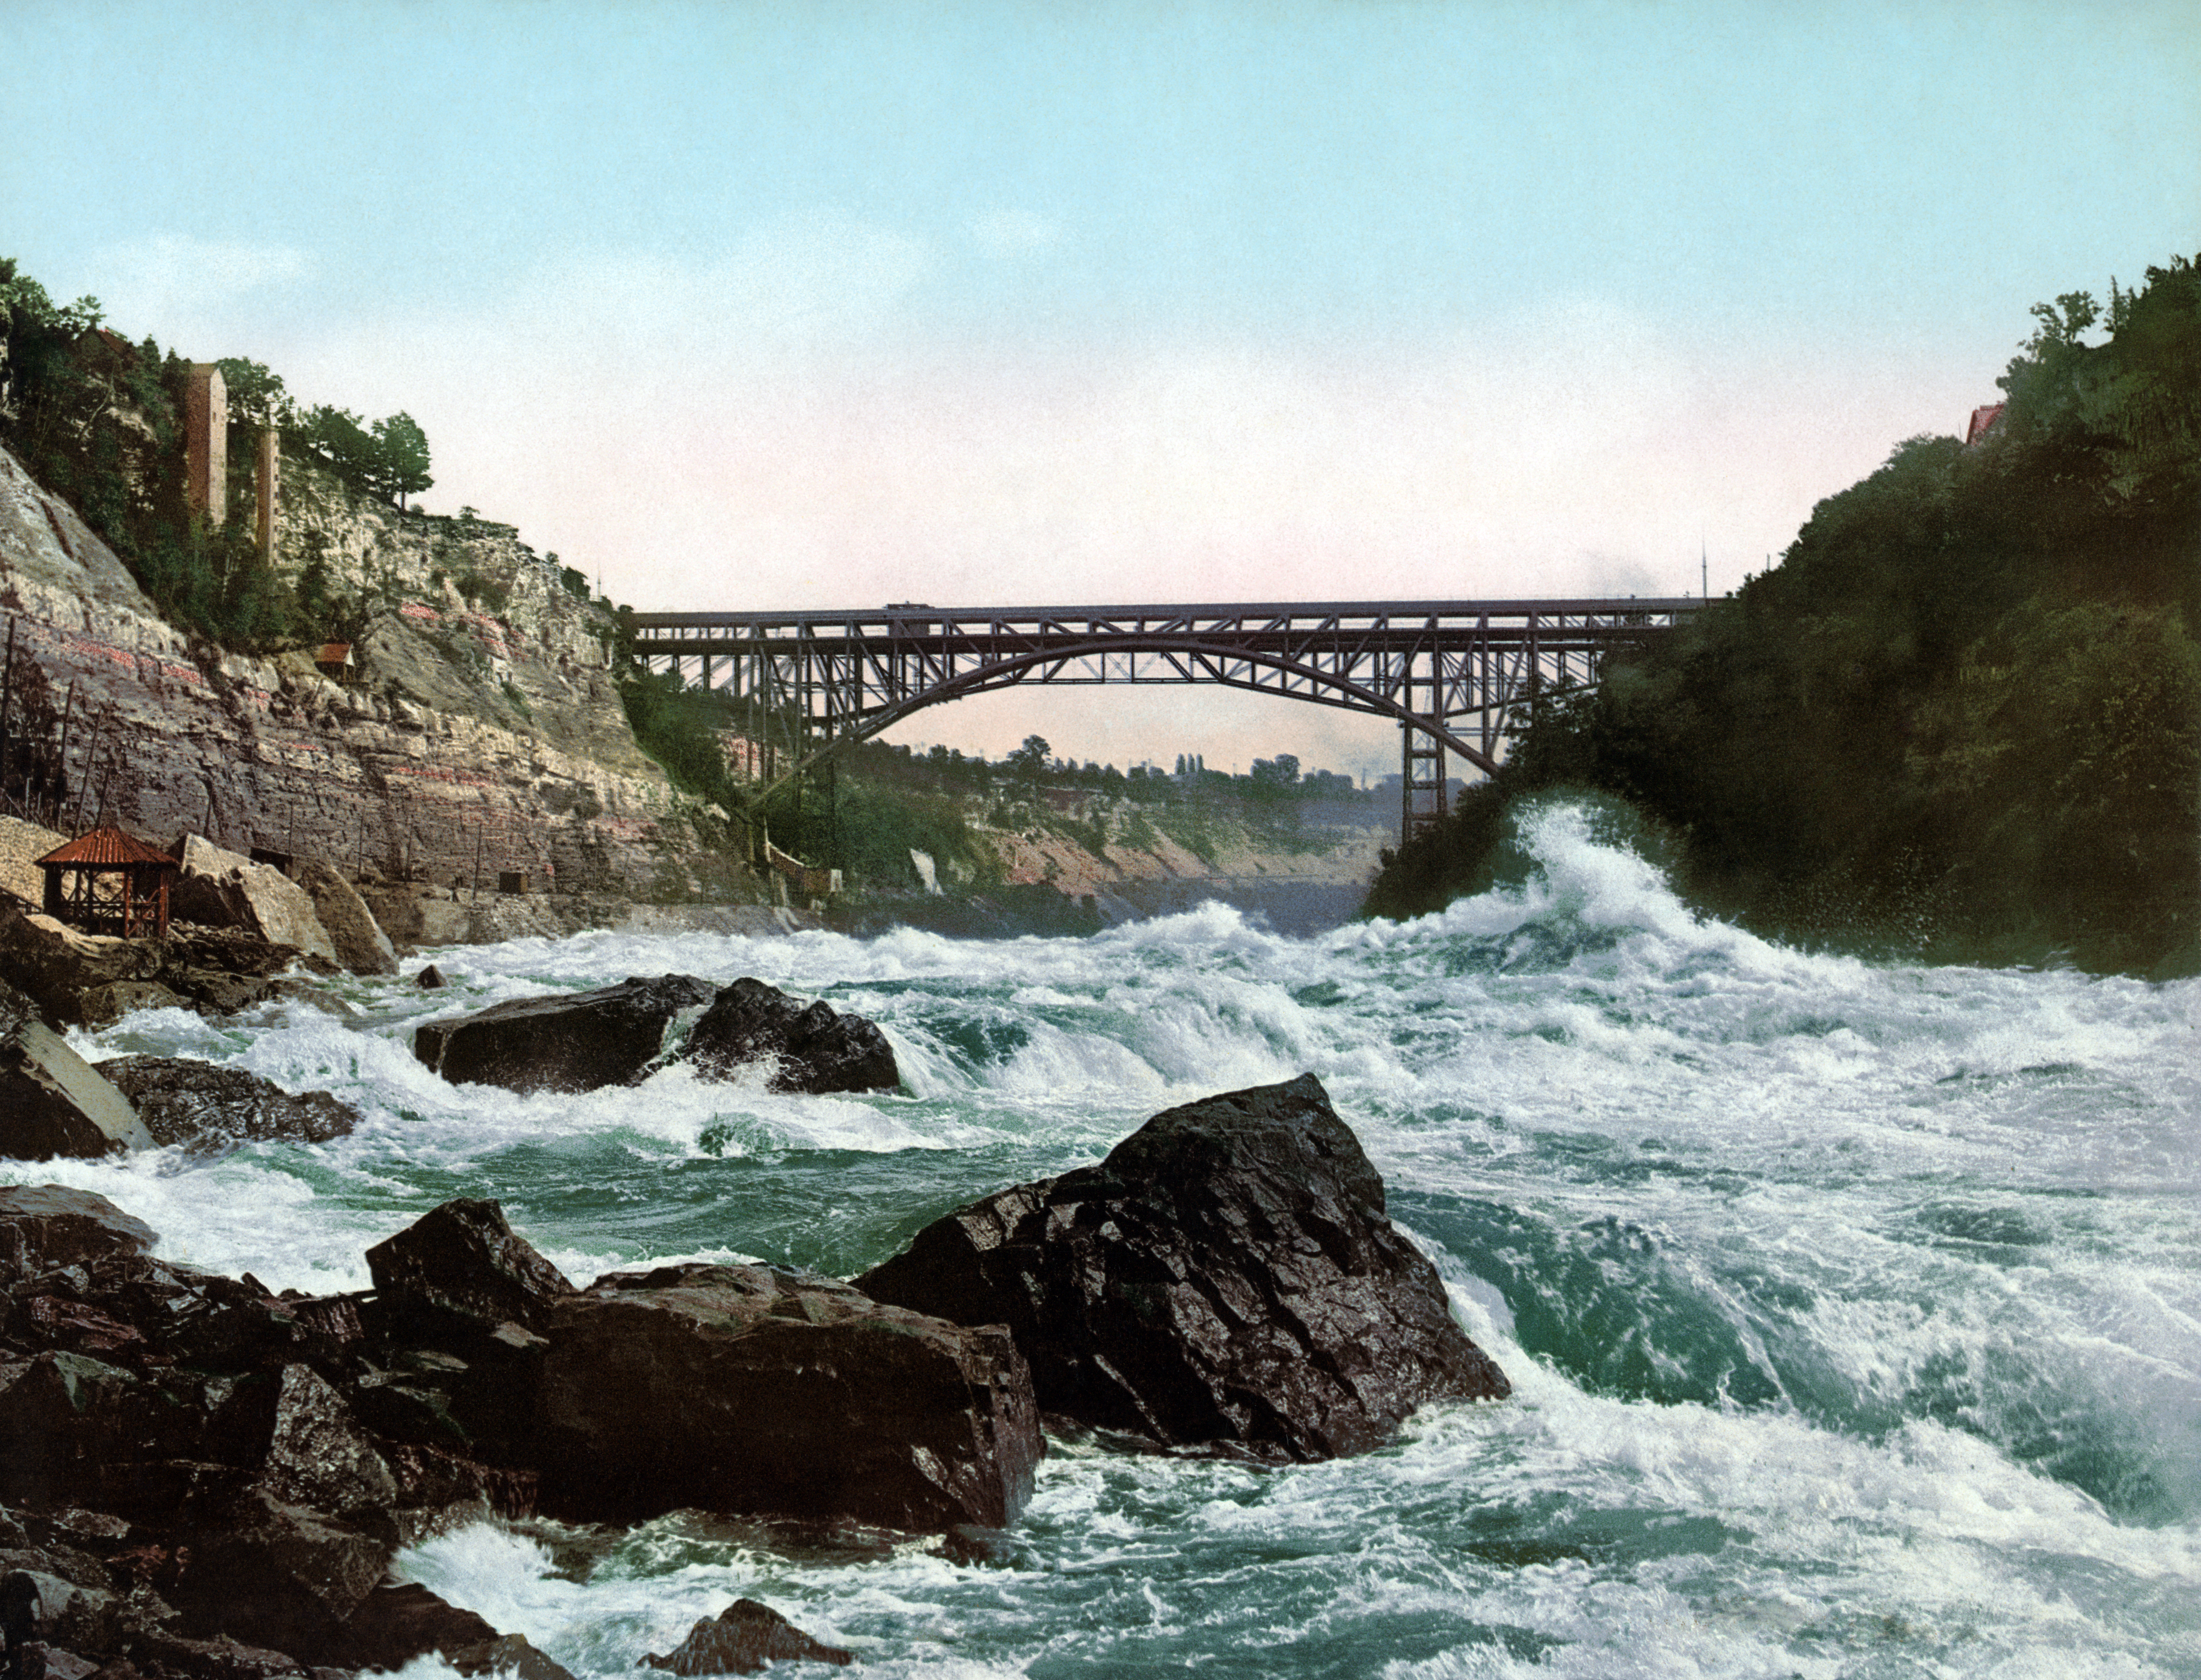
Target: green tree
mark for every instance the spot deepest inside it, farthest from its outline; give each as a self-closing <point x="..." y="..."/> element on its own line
<point x="1030" y="761"/>
<point x="337" y="437"/>
<point x="1275" y="778"/>
<point x="255" y="393"/>
<point x="401" y="463"/>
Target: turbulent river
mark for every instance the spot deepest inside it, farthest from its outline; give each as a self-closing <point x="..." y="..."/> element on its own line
<point x="1853" y="1310"/>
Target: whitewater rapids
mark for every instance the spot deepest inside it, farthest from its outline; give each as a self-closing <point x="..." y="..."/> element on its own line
<point x="1854" y="1309"/>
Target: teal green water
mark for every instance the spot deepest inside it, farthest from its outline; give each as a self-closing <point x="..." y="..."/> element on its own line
<point x="1854" y="1310"/>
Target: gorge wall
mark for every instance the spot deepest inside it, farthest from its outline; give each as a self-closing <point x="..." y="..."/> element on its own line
<point x="466" y="732"/>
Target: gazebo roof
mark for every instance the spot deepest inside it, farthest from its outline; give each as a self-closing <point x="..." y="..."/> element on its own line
<point x="105" y="849"/>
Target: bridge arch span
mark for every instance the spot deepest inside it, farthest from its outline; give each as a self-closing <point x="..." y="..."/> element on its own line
<point x="1452" y="674"/>
<point x="1320" y="687"/>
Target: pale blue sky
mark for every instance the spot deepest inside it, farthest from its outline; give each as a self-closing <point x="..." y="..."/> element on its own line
<point x="772" y="305"/>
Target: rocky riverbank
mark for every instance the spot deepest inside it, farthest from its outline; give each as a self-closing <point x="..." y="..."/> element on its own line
<point x="203" y="1480"/>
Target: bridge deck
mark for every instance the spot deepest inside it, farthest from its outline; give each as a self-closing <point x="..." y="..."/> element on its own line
<point x="1509" y="619"/>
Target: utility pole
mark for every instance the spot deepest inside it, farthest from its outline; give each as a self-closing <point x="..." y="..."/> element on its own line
<point x="1703" y="572"/>
<point x="8" y="693"/>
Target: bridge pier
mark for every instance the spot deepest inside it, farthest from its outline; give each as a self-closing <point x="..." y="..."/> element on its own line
<point x="1422" y="799"/>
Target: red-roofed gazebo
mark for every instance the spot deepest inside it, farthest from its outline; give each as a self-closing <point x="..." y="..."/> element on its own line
<point x="109" y="882"/>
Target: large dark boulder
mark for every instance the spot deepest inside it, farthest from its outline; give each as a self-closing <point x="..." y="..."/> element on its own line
<point x="56" y="964"/>
<point x="747" y="1636"/>
<point x="182" y="1100"/>
<point x="288" y="1543"/>
<point x="1226" y="1279"/>
<point x="36" y="1606"/>
<point x="755" y="1392"/>
<point x="452" y="1330"/>
<point x="276" y="1574"/>
<point x="395" y="1624"/>
<point x="811" y="1047"/>
<point x="303" y="1444"/>
<point x="47" y="1225"/>
<point x="463" y="1261"/>
<point x="71" y="1424"/>
<point x="568" y="1041"/>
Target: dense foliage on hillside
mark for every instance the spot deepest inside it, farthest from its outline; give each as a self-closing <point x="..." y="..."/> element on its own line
<point x="97" y="420"/>
<point x="1962" y="716"/>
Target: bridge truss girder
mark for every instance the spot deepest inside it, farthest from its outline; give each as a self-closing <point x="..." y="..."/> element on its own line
<point x="1454" y="675"/>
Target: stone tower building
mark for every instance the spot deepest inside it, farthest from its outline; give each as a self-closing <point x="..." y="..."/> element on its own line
<point x="206" y="443"/>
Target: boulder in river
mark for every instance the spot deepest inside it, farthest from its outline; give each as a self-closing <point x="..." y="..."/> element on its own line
<point x="54" y="964"/>
<point x="1227" y="1279"/>
<point x="52" y="1101"/>
<point x="746" y="1637"/>
<point x="618" y="1034"/>
<point x="182" y="1100"/>
<point x="396" y="1623"/>
<point x="46" y="1227"/>
<point x="751" y="1390"/>
<point x="104" y="1005"/>
<point x="567" y="1041"/>
<point x="812" y="1047"/>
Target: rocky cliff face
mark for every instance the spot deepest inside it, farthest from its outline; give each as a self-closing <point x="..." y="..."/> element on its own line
<point x="465" y="733"/>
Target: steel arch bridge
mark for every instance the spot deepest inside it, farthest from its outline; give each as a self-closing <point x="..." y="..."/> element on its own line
<point x="1452" y="674"/>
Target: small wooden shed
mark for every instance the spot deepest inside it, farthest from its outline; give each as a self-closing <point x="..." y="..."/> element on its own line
<point x="109" y="882"/>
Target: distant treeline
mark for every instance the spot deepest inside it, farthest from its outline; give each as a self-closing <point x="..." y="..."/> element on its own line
<point x="1962" y="718"/>
<point x="98" y="421"/>
<point x="874" y="801"/>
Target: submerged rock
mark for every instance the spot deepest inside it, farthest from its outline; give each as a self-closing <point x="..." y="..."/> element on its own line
<point x="745" y="1638"/>
<point x="1226" y="1279"/>
<point x="182" y="1100"/>
<point x="755" y="1392"/>
<point x="568" y="1041"/>
<point x="812" y="1048"/>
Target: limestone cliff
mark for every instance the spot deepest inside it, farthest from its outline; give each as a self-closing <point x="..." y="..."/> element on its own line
<point x="1129" y="852"/>
<point x="465" y="732"/>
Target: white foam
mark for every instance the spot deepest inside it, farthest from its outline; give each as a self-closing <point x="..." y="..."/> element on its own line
<point x="1948" y="1216"/>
